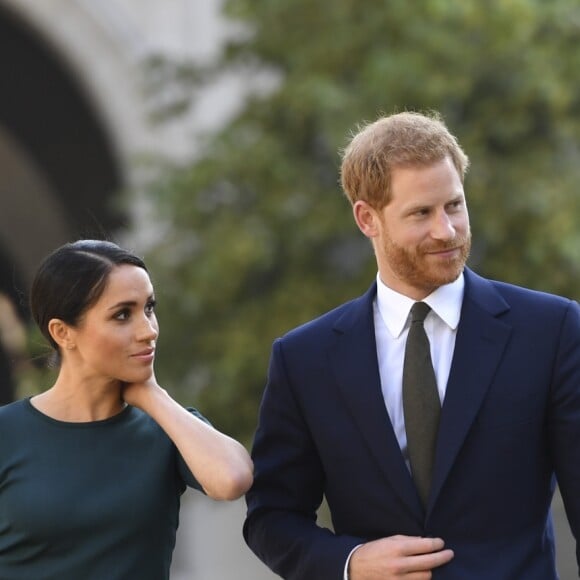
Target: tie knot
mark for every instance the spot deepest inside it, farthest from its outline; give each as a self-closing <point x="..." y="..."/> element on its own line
<point x="419" y="311"/>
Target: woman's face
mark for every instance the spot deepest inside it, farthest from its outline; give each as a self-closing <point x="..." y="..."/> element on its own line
<point x="115" y="338"/>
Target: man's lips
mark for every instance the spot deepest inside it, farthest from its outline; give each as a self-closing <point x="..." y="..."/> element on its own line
<point x="444" y="251"/>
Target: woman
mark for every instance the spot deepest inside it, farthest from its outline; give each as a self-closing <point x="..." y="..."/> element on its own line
<point x="91" y="470"/>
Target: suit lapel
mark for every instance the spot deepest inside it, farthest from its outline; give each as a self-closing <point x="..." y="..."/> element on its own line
<point x="354" y="359"/>
<point x="481" y="340"/>
<point x="480" y="343"/>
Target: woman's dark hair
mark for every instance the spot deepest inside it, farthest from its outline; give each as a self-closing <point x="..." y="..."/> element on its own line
<point x="72" y="278"/>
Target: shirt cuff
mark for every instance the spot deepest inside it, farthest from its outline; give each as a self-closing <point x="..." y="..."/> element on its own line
<point x="345" y="575"/>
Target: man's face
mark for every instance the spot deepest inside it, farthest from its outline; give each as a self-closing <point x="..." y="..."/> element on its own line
<point x="423" y="238"/>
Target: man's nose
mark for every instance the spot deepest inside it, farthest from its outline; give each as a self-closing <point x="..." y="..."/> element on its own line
<point x="442" y="227"/>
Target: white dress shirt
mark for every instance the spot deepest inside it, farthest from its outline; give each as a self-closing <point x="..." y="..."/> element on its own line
<point x="392" y="321"/>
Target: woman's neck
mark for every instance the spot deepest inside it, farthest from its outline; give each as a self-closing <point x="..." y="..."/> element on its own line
<point x="80" y="403"/>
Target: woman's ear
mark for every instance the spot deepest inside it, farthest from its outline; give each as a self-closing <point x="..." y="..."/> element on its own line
<point x="61" y="333"/>
<point x="366" y="218"/>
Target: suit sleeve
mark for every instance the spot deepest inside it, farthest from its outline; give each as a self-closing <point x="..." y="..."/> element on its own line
<point x="288" y="488"/>
<point x="564" y="418"/>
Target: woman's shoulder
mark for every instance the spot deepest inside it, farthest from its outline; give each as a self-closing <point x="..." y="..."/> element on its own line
<point x="16" y="420"/>
<point x="15" y="410"/>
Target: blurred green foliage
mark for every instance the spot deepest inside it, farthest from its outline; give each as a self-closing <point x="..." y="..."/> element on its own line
<point x="258" y="235"/>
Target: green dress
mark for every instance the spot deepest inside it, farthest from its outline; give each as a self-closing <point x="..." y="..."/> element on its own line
<point x="87" y="501"/>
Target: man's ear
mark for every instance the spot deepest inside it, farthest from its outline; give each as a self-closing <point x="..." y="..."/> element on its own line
<point x="366" y="218"/>
<point x="61" y="333"/>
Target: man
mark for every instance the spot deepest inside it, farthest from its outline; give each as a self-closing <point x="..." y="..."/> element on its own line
<point x="471" y="501"/>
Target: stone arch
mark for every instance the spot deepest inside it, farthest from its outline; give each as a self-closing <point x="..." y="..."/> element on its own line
<point x="59" y="171"/>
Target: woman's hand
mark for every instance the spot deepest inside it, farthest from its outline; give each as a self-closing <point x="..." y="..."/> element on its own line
<point x="141" y="395"/>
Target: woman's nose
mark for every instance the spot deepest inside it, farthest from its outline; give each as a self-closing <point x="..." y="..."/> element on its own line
<point x="148" y="329"/>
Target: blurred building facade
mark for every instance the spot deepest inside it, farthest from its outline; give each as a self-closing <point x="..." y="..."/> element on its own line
<point x="75" y="114"/>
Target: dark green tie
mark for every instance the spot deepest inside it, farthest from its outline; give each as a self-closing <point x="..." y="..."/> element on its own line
<point x="421" y="403"/>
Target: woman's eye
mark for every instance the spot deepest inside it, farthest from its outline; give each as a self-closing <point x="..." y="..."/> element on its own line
<point x="122" y="315"/>
<point x="150" y="308"/>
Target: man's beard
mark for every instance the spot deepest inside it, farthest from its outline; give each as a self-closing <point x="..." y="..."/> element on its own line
<point x="417" y="269"/>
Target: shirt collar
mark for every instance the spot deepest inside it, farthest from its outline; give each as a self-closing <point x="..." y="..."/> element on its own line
<point x="445" y="301"/>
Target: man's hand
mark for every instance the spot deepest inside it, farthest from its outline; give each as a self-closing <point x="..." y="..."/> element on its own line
<point x="408" y="557"/>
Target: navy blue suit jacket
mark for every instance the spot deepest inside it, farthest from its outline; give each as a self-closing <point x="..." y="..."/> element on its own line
<point x="510" y="421"/>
